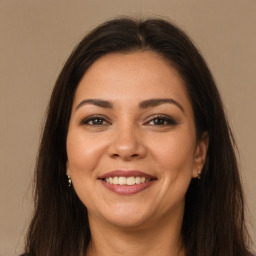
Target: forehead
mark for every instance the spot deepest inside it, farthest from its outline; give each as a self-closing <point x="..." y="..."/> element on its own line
<point x="131" y="76"/>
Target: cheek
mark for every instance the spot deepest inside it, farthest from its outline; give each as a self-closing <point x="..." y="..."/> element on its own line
<point x="83" y="158"/>
<point x="175" y="163"/>
<point x="83" y="154"/>
<point x="175" y="154"/>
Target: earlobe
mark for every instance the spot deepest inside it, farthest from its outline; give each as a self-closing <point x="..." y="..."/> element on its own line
<point x="67" y="169"/>
<point x="200" y="155"/>
<point x="68" y="173"/>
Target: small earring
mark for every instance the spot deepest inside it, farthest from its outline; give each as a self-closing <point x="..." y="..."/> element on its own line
<point x="199" y="172"/>
<point x="69" y="181"/>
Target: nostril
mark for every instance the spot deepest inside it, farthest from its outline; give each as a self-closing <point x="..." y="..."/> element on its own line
<point x="120" y="150"/>
<point x="131" y="156"/>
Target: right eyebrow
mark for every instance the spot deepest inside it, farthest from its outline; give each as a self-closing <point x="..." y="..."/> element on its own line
<point x="96" y="102"/>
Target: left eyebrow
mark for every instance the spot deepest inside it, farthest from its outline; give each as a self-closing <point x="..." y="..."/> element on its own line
<point x="156" y="102"/>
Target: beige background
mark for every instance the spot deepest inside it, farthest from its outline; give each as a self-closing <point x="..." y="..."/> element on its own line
<point x="36" y="38"/>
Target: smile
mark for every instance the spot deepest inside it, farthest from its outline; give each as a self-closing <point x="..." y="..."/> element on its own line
<point x="126" y="180"/>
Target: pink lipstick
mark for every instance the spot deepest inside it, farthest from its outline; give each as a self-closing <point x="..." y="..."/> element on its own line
<point x="126" y="182"/>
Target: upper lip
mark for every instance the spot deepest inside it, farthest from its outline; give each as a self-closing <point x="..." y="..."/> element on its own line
<point x="126" y="173"/>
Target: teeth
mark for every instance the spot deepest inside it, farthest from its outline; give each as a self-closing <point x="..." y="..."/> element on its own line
<point x="115" y="180"/>
<point x="127" y="181"/>
<point x="137" y="180"/>
<point x="130" y="181"/>
<point x="122" y="180"/>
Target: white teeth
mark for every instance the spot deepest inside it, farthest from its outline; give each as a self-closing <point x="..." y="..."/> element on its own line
<point x="115" y="180"/>
<point x="137" y="180"/>
<point x="130" y="181"/>
<point x="126" y="181"/>
<point x="122" y="180"/>
<point x="142" y="179"/>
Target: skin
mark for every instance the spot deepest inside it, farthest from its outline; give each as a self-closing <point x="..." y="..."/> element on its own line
<point x="129" y="137"/>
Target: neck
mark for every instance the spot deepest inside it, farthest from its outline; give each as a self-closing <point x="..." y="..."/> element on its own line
<point x="163" y="238"/>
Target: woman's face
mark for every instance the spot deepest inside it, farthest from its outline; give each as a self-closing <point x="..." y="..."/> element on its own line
<point x="131" y="144"/>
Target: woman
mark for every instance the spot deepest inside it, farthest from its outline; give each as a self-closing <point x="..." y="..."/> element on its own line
<point x="136" y="156"/>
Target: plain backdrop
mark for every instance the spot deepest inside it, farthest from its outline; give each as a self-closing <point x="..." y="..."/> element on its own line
<point x="36" y="37"/>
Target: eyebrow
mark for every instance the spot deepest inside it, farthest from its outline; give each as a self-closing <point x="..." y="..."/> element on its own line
<point x="156" y="102"/>
<point x="143" y="105"/>
<point x="96" y="102"/>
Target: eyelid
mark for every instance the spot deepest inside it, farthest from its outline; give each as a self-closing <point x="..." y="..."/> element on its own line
<point x="169" y="119"/>
<point x="91" y="117"/>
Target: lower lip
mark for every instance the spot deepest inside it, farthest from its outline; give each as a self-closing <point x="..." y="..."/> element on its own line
<point x="127" y="189"/>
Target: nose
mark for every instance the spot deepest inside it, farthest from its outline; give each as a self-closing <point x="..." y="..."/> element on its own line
<point x="127" y="144"/>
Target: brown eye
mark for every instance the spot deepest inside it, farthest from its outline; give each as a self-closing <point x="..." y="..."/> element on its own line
<point x="94" y="121"/>
<point x="162" y="121"/>
<point x="159" y="121"/>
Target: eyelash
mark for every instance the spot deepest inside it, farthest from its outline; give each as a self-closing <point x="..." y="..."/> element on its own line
<point x="93" y="118"/>
<point x="164" y="120"/>
<point x="101" y="120"/>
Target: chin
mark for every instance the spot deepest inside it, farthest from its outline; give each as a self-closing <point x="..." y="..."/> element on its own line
<point x="126" y="216"/>
<point x="122" y="213"/>
<point x="128" y="222"/>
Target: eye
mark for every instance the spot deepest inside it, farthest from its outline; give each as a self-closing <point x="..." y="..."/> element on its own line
<point x="162" y="121"/>
<point x="94" y="121"/>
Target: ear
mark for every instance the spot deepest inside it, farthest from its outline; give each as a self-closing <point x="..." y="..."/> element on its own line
<point x="200" y="154"/>
<point x="68" y="169"/>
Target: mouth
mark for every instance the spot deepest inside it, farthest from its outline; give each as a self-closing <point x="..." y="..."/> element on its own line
<point x="127" y="182"/>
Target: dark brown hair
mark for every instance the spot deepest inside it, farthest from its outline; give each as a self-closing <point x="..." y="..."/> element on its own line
<point x="213" y="222"/>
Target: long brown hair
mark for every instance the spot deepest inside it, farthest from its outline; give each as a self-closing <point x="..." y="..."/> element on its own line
<point x="213" y="222"/>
